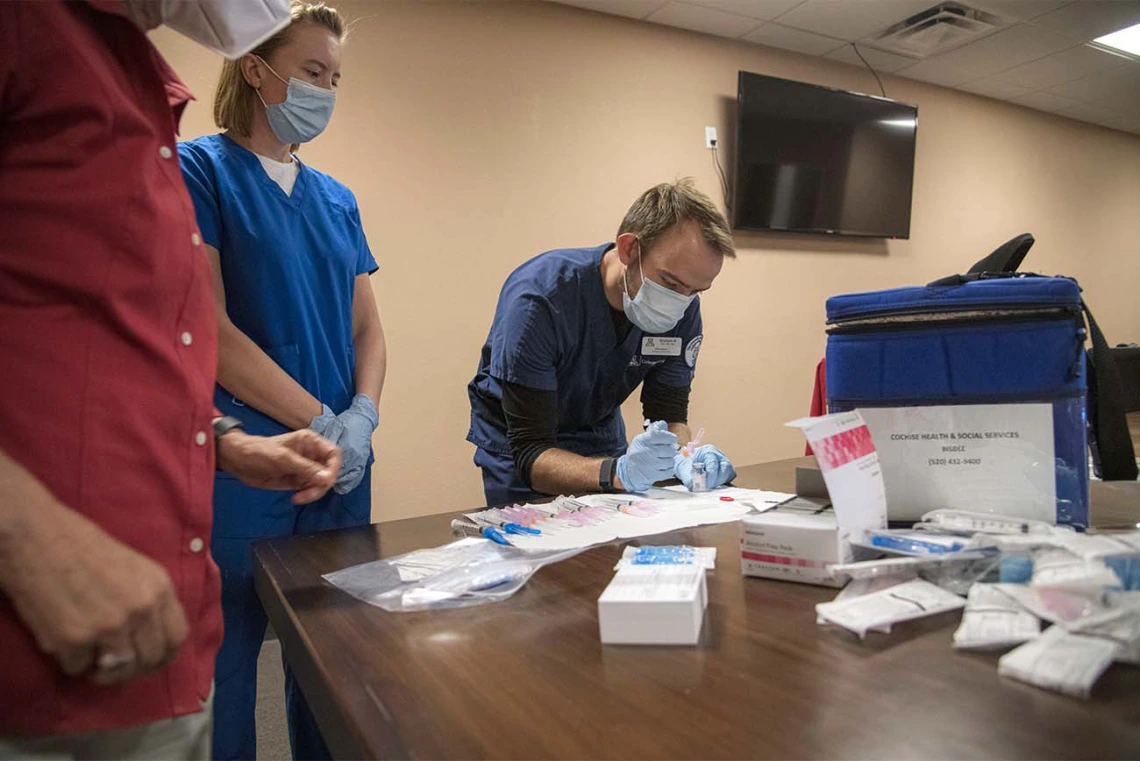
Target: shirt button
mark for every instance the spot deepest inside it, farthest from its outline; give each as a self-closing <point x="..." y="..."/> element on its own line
<point x="196" y="239"/>
<point x="200" y="438"/>
<point x="187" y="339"/>
<point x="165" y="152"/>
<point x="196" y="544"/>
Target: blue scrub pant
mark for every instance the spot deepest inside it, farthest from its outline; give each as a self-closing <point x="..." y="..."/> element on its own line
<point x="241" y="515"/>
<point x="501" y="485"/>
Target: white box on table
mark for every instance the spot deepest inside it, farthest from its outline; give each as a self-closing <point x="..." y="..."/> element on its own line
<point x="654" y="605"/>
<point x="792" y="545"/>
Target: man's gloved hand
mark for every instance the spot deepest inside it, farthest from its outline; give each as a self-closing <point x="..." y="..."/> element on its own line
<point x="352" y="432"/>
<point x="649" y="458"/>
<point x="717" y="466"/>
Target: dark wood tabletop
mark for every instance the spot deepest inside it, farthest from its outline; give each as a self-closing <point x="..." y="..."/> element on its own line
<point x="529" y="679"/>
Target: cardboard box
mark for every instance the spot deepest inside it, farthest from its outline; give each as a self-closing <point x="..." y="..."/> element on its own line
<point x="654" y="605"/>
<point x="791" y="545"/>
<point x="797" y="540"/>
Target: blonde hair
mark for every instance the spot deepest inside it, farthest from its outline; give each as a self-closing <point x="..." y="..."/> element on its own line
<point x="664" y="206"/>
<point x="235" y="98"/>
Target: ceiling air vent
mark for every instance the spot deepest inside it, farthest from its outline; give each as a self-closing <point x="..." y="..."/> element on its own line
<point x="944" y="27"/>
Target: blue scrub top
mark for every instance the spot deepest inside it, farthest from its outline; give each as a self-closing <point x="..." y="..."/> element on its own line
<point x="289" y="266"/>
<point x="554" y="331"/>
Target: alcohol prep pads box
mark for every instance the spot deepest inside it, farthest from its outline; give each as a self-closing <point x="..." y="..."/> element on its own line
<point x="796" y="541"/>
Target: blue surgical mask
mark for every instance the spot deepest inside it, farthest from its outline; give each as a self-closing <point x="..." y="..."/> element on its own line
<point x="303" y="114"/>
<point x="655" y="309"/>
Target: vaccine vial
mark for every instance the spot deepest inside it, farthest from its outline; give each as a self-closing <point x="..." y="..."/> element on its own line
<point x="700" y="477"/>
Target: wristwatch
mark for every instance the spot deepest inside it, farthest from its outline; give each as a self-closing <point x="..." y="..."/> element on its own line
<point x="606" y="475"/>
<point x="223" y="425"/>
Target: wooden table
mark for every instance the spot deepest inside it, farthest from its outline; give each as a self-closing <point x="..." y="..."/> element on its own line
<point x="529" y="679"/>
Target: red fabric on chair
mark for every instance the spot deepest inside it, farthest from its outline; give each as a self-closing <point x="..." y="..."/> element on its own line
<point x="818" y="395"/>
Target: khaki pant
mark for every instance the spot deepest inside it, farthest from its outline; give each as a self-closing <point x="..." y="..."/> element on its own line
<point x="186" y="738"/>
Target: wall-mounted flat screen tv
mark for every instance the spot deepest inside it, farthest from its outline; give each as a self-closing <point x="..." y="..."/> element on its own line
<point x="812" y="159"/>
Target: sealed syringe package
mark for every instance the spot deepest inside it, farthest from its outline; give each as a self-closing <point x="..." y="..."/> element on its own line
<point x="457" y="575"/>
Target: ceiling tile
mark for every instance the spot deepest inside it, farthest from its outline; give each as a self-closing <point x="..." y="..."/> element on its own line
<point x="777" y="36"/>
<point x="1045" y="101"/>
<point x="880" y="61"/>
<point x="1088" y="20"/>
<point x="1089" y="112"/>
<point x="1017" y="10"/>
<point x="938" y="73"/>
<point x="630" y="8"/>
<point x="993" y="88"/>
<point x="1112" y="87"/>
<point x="761" y="9"/>
<point x="1124" y="123"/>
<point x="851" y="20"/>
<point x="1058" y="68"/>
<point x="701" y="19"/>
<point x="1002" y="50"/>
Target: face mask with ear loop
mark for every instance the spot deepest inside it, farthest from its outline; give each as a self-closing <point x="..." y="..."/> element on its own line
<point x="229" y="27"/>
<point x="655" y="309"/>
<point x="303" y="114"/>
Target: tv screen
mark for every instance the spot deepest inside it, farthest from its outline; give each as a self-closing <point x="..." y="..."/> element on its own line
<point x="816" y="160"/>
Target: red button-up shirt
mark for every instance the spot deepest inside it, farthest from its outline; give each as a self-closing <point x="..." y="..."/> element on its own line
<point x="108" y="342"/>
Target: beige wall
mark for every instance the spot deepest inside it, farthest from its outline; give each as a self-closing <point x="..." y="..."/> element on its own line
<point x="476" y="135"/>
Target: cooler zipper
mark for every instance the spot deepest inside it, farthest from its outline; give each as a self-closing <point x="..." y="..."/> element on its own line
<point x="910" y="320"/>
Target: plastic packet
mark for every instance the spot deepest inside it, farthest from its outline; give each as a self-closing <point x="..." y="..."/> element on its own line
<point x="869" y="585"/>
<point x="908" y="542"/>
<point x="456" y="575"/>
<point x="668" y="555"/>
<point x="903" y="602"/>
<point x="993" y="621"/>
<point x="1061" y="568"/>
<point x="1060" y="660"/>
<point x="969" y="523"/>
<point x="1118" y="622"/>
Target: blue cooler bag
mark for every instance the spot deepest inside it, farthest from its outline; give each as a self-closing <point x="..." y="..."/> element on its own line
<point x="984" y="339"/>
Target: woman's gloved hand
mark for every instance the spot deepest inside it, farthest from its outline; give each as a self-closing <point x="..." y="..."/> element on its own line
<point x="320" y="424"/>
<point x="717" y="466"/>
<point x="352" y="430"/>
<point x="649" y="458"/>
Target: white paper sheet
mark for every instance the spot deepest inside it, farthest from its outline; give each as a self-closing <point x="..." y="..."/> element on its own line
<point x="993" y="621"/>
<point x="1061" y="661"/>
<point x="677" y="509"/>
<point x="902" y="602"/>
<point x="846" y="455"/>
<point x="979" y="457"/>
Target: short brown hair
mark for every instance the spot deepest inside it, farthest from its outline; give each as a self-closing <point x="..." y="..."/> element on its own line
<point x="664" y="206"/>
<point x="235" y="98"/>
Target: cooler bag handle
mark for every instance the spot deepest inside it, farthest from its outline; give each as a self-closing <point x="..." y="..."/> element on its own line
<point x="1007" y="257"/>
<point x="1113" y="456"/>
<point x="1111" y="444"/>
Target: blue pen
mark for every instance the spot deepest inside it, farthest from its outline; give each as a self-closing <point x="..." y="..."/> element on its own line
<point x="517" y="528"/>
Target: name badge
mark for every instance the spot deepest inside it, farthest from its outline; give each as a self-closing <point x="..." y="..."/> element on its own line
<point x="661" y="346"/>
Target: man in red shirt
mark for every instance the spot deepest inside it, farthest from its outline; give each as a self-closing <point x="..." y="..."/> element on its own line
<point x="110" y="615"/>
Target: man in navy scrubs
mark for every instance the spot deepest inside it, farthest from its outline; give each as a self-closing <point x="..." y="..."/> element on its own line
<point x="575" y="332"/>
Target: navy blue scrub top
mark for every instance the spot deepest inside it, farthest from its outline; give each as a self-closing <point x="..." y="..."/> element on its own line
<point x="289" y="266"/>
<point x="554" y="331"/>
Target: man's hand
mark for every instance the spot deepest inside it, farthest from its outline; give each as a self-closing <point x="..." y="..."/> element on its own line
<point x="94" y="604"/>
<point x="300" y="461"/>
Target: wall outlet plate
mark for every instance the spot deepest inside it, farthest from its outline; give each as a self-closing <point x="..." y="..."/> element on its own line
<point x="710" y="137"/>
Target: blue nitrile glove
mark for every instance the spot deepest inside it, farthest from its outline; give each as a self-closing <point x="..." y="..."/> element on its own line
<point x="649" y="458"/>
<point x="321" y="422"/>
<point x="352" y="432"/>
<point x="717" y="466"/>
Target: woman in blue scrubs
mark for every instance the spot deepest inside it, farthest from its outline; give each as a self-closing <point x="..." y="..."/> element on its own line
<point x="301" y="343"/>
